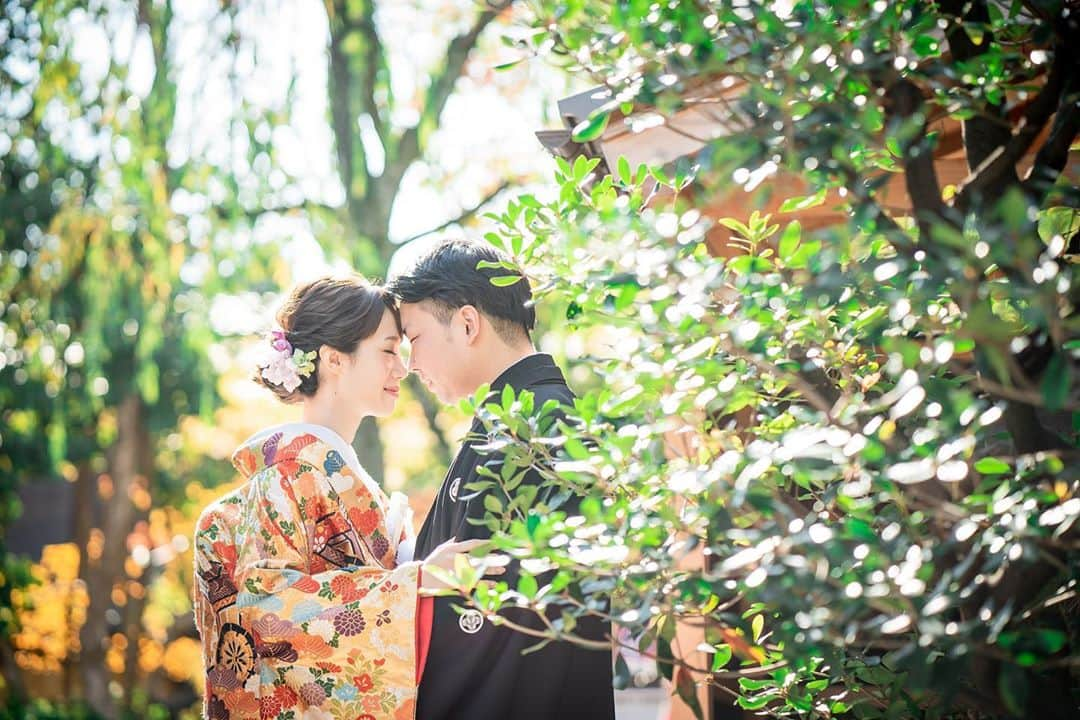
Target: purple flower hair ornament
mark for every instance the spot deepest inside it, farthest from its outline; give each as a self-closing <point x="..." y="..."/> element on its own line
<point x="286" y="365"/>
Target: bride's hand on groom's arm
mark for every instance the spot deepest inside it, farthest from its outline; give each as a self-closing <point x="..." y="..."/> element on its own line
<point x="440" y="564"/>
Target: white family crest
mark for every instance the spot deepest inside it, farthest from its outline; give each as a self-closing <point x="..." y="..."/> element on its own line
<point x="471" y="621"/>
<point x="455" y="486"/>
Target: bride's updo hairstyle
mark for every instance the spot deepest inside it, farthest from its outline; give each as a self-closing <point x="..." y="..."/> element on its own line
<point x="337" y="312"/>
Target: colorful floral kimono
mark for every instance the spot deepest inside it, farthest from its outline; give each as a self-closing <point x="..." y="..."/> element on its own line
<point x="302" y="605"/>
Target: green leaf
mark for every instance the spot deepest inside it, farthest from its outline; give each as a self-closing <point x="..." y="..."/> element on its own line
<point x="527" y="586"/>
<point x="892" y="144"/>
<point x="992" y="466"/>
<point x="721" y="657"/>
<point x="582" y="167"/>
<point x="463" y="571"/>
<point x="926" y="45"/>
<point x="664" y="657"/>
<point x="497" y="265"/>
<point x="591" y="127"/>
<point x="751" y="685"/>
<point x="622" y="677"/>
<point x="506" y="280"/>
<point x="754" y="703"/>
<point x="624" y="171"/>
<point x="790" y="240"/>
<point x="803" y="203"/>
<point x="507" y="65"/>
<point x="493" y="504"/>
<point x="801" y="257"/>
<point x="1055" y="382"/>
<point x="757" y="625"/>
<point x="1013" y="688"/>
<point x="687" y="690"/>
<point x="858" y="529"/>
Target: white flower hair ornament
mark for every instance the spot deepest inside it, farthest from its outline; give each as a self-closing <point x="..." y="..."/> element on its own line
<point x="287" y="366"/>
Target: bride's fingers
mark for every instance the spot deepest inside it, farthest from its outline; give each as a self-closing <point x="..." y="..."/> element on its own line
<point x="453" y="547"/>
<point x="492" y="564"/>
<point x="466" y="546"/>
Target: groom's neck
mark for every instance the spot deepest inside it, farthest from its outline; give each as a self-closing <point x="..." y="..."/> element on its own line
<point x="499" y="362"/>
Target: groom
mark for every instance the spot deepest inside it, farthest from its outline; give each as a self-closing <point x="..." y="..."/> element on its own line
<point x="465" y="332"/>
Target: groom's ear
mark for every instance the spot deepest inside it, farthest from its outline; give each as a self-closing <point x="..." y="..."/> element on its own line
<point x="470" y="321"/>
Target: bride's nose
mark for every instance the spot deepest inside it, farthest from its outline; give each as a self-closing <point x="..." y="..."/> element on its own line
<point x="399" y="370"/>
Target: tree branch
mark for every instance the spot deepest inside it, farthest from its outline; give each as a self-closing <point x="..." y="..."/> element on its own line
<point x="464" y="216"/>
<point x="988" y="129"/>
<point x="920" y="175"/>
<point x="988" y="177"/>
<point x="882" y="220"/>
<point x="373" y="59"/>
<point x="253" y="214"/>
<point x="412" y="144"/>
<point x="342" y="118"/>
<point x="1053" y="156"/>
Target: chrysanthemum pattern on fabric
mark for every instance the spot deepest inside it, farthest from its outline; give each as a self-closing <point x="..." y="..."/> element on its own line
<point x="302" y="608"/>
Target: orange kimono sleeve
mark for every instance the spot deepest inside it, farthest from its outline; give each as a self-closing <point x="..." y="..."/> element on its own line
<point x="316" y="623"/>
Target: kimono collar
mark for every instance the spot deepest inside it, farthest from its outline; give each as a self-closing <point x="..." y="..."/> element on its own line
<point x="292" y="445"/>
<point x="285" y="443"/>
<point x="535" y="369"/>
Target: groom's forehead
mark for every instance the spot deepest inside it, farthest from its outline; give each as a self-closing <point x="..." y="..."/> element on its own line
<point x="417" y="312"/>
<point x="412" y="315"/>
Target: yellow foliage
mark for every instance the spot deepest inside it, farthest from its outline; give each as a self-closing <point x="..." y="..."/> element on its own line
<point x="183" y="661"/>
<point x="105" y="486"/>
<point x="151" y="654"/>
<point x="69" y="471"/>
<point x="61" y="561"/>
<point x="114" y="659"/>
<point x="140" y="497"/>
<point x="51" y="611"/>
<point x="132" y="568"/>
<point x="96" y="545"/>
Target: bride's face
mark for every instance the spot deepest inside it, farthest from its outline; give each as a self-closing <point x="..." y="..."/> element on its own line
<point x="373" y="379"/>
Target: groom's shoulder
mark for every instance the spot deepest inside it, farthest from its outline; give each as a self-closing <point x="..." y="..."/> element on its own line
<point x="554" y="390"/>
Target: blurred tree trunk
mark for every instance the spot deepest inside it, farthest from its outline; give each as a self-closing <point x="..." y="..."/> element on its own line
<point x="369" y="449"/>
<point x="359" y="77"/>
<point x="108" y="551"/>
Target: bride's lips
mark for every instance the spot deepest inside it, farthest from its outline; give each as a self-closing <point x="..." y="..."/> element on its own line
<point x="392" y="391"/>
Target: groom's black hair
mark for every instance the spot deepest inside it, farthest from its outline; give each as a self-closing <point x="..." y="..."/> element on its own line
<point x="448" y="278"/>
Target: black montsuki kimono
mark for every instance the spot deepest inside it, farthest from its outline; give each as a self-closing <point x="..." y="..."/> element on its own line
<point x="475" y="670"/>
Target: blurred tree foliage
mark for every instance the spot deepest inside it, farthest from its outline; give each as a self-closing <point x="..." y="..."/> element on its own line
<point x="106" y="329"/>
<point x="374" y="148"/>
<point x="118" y="234"/>
<point x="870" y="430"/>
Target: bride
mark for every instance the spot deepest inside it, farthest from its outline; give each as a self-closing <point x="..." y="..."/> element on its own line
<point x="307" y="599"/>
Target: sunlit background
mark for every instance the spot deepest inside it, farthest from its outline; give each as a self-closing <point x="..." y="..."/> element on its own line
<point x="194" y="143"/>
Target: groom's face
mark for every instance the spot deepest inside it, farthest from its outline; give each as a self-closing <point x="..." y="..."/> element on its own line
<point x="436" y="351"/>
